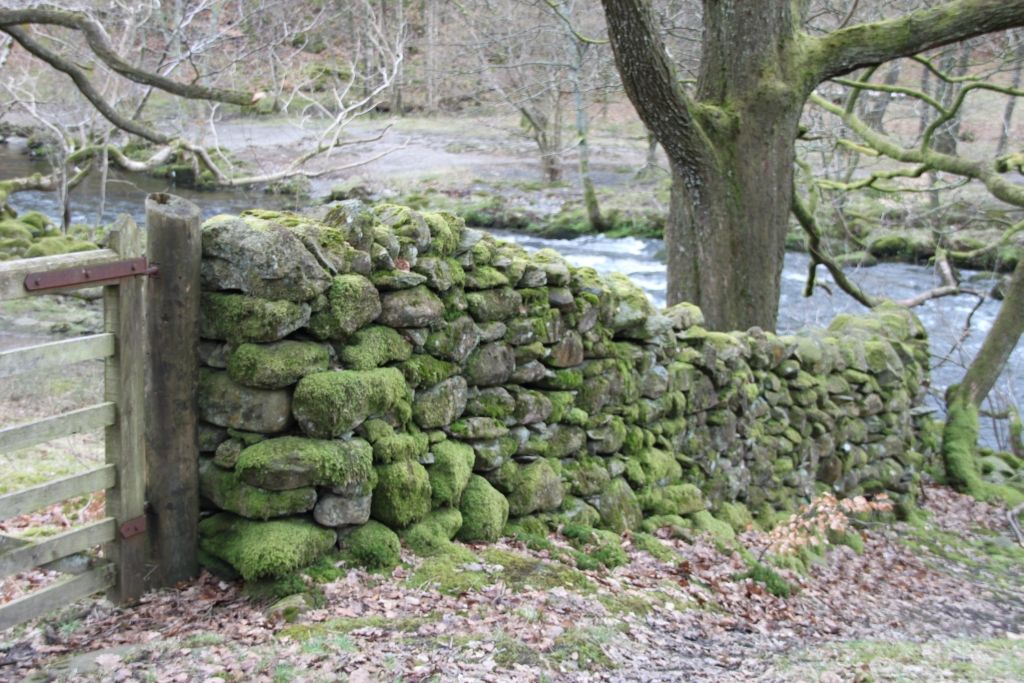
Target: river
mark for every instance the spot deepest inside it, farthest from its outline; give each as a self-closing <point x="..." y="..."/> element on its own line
<point x="639" y="258"/>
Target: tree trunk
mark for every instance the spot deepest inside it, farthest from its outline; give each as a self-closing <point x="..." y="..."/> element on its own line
<point x="960" y="435"/>
<point x="726" y="230"/>
<point x="590" y="201"/>
<point x="1011" y="102"/>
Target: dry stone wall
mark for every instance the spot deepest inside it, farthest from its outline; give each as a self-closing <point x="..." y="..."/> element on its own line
<point x="375" y="373"/>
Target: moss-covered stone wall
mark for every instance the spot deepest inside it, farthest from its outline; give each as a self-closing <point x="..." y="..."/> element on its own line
<point x="382" y="373"/>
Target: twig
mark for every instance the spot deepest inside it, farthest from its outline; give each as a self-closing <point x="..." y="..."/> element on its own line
<point x="1011" y="516"/>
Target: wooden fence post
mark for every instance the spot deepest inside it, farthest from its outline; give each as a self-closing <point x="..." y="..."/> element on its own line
<point x="124" y="383"/>
<point x="172" y="449"/>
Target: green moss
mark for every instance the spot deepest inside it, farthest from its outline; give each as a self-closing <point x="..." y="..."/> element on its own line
<point x="264" y="549"/>
<point x="485" y="277"/>
<point x="277" y="365"/>
<point x="679" y="499"/>
<point x="562" y="402"/>
<point x="15" y="230"/>
<point x="452" y="468"/>
<point x="402" y="494"/>
<point x="36" y="221"/>
<point x="735" y="515"/>
<point x="373" y="545"/>
<point x="421" y="370"/>
<point x="535" y="487"/>
<point x="228" y="492"/>
<point x="63" y="244"/>
<point x="238" y="318"/>
<point x="319" y="462"/>
<point x="374" y="346"/>
<point x="484" y="511"/>
<point x="329" y="404"/>
<point x="407" y="446"/>
<point x="719" y="530"/>
<point x="352" y="301"/>
<point x="653" y="546"/>
<point x="433" y="535"/>
<point x="520" y="571"/>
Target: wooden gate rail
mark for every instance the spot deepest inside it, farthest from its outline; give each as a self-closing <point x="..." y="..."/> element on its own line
<point x="122" y="347"/>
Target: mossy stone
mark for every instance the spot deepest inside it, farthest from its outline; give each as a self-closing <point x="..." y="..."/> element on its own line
<point x="268" y="549"/>
<point x="441" y="404"/>
<point x="224" y="402"/>
<point x="484" y="511"/>
<point x="239" y="318"/>
<point x="490" y="305"/>
<point x="402" y="495"/>
<point x="678" y="499"/>
<point x="352" y="302"/>
<point x="422" y="370"/>
<point x="329" y="404"/>
<point x="373" y="546"/>
<point x="535" y="487"/>
<point x="294" y="461"/>
<point x="276" y="365"/>
<point x="495" y="402"/>
<point x="58" y="244"/>
<point x="618" y="506"/>
<point x="415" y="307"/>
<point x="405" y="446"/>
<point x="719" y="530"/>
<point x="455" y="340"/>
<point x="433" y="535"/>
<point x="259" y="258"/>
<point x="473" y="428"/>
<point x="226" y="490"/>
<point x="452" y="468"/>
<point x="490" y="365"/>
<point x="372" y="347"/>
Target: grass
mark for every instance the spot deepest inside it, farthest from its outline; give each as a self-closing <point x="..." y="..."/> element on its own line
<point x="991" y="660"/>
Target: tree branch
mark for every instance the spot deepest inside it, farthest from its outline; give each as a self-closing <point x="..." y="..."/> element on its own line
<point x="862" y="45"/>
<point x="99" y="43"/>
<point x="651" y="83"/>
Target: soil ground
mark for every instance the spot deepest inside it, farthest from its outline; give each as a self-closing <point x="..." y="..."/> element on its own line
<point x="939" y="600"/>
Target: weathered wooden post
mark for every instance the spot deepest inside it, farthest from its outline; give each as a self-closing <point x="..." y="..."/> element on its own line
<point x="124" y="382"/>
<point x="172" y="450"/>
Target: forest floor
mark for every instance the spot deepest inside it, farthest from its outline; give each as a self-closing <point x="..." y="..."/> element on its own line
<point x="938" y="600"/>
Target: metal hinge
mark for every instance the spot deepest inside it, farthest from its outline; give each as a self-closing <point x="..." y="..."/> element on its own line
<point x="89" y="275"/>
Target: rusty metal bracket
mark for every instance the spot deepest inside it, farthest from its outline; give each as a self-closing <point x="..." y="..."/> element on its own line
<point x="133" y="527"/>
<point x="88" y="275"/>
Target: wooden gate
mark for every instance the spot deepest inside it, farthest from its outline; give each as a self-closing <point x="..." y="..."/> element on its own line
<point x="121" y="572"/>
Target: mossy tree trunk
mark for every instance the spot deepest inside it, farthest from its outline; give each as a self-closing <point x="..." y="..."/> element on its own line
<point x="730" y="143"/>
<point x="963" y="400"/>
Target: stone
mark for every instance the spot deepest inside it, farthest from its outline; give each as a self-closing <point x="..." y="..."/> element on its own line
<point x="416" y="307"/>
<point x="276" y="365"/>
<point x="402" y="495"/>
<point x="442" y="274"/>
<point x="492" y="331"/>
<point x="494" y="402"/>
<point x="441" y="404"/>
<point x="238" y="318"/>
<point x="270" y="262"/>
<point x="491" y="454"/>
<point x="534" y="488"/>
<point x="352" y="302"/>
<point x="226" y="490"/>
<point x="484" y="511"/>
<point x="373" y="346"/>
<point x="490" y="365"/>
<point x="213" y="354"/>
<point x="227" y="453"/>
<point x="394" y="279"/>
<point x="530" y="373"/>
<point x="224" y="402"/>
<point x="453" y="341"/>
<point x="531" y="407"/>
<point x="211" y="437"/>
<point x="449" y="475"/>
<point x="618" y="506"/>
<point x="477" y="428"/>
<point x="329" y="404"/>
<point x="566" y="353"/>
<point x="338" y="511"/>
<point x="489" y="305"/>
<point x="268" y="549"/>
<point x="290" y="462"/>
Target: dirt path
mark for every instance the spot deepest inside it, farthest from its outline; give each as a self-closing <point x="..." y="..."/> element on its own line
<point x="941" y="600"/>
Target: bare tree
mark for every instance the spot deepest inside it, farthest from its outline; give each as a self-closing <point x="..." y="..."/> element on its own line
<point x="198" y="53"/>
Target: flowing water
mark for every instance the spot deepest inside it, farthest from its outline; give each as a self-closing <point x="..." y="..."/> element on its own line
<point x="641" y="259"/>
